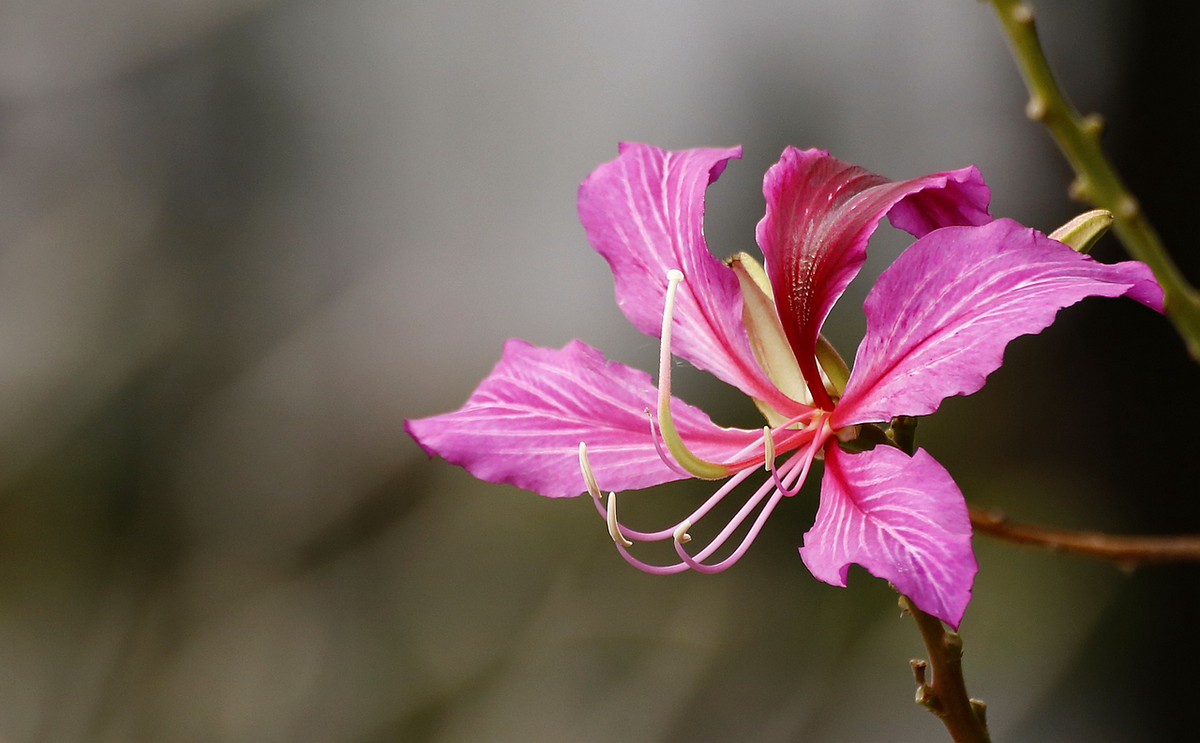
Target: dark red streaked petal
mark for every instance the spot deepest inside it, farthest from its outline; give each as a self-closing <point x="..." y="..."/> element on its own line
<point x="821" y="212"/>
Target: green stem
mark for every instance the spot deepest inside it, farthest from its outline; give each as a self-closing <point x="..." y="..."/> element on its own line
<point x="1096" y="181"/>
<point x="946" y="694"/>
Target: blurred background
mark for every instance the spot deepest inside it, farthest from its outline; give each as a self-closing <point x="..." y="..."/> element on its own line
<point x="242" y="240"/>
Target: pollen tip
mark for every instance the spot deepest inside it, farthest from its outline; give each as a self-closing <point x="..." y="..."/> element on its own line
<point x="680" y="534"/>
<point x="614" y="528"/>
<point x="768" y="448"/>
<point x="589" y="477"/>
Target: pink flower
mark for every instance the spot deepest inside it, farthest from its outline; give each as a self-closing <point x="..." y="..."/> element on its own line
<point x="564" y="422"/>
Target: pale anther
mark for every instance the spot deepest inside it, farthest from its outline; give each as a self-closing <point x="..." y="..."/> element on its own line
<point x="680" y="535"/>
<point x="768" y="448"/>
<point x="614" y="530"/>
<point x="589" y="478"/>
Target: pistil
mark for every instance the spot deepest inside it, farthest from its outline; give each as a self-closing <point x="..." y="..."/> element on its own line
<point x="693" y="464"/>
<point x="696" y="562"/>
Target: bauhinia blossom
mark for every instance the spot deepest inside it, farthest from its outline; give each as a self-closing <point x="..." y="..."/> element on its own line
<point x="564" y="422"/>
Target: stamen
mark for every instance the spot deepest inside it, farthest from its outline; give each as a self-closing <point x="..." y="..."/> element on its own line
<point x="791" y="478"/>
<point x="668" y="533"/>
<point x="646" y="567"/>
<point x="697" y="562"/>
<point x="795" y="431"/>
<point x="795" y="471"/>
<point x="694" y="465"/>
<point x="768" y="449"/>
<point x="806" y="458"/>
<point x="610" y="513"/>
<point x="614" y="529"/>
<point x="815" y="449"/>
<point x="589" y="478"/>
<point x="779" y="483"/>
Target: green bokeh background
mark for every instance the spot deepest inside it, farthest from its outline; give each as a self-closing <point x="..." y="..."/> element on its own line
<point x="244" y="239"/>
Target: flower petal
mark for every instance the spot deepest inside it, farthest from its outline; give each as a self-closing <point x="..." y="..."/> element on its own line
<point x="524" y="423"/>
<point x="939" y="318"/>
<point x="644" y="213"/>
<point x="901" y="518"/>
<point x="820" y="214"/>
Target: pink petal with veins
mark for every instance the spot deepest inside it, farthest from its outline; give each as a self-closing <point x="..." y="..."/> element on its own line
<point x="940" y="317"/>
<point x="644" y="213"/>
<point x="901" y="518"/>
<point x="524" y="423"/>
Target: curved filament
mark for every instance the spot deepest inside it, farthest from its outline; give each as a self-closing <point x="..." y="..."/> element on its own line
<point x="694" y="465"/>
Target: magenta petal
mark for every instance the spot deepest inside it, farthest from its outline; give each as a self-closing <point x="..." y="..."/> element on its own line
<point x="524" y="423"/>
<point x="820" y="214"/>
<point x="644" y="213"/>
<point x="901" y="518"/>
<point x="939" y="318"/>
<point x="953" y="198"/>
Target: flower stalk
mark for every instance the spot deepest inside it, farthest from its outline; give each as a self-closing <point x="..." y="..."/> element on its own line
<point x="945" y="694"/>
<point x="1096" y="180"/>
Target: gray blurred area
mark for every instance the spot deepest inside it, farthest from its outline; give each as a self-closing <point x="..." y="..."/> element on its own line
<point x="242" y="240"/>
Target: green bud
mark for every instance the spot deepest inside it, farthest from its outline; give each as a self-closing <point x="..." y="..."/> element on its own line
<point x="1082" y="232"/>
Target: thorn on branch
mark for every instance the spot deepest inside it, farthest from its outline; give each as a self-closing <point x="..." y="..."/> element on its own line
<point x="980" y="709"/>
<point x="953" y="643"/>
<point x="925" y="695"/>
<point x="1092" y="126"/>
<point x="927" y="699"/>
<point x="1036" y="109"/>
<point x="1128" y="208"/>
<point x="1022" y="14"/>
<point x="1080" y="189"/>
<point x="918" y="669"/>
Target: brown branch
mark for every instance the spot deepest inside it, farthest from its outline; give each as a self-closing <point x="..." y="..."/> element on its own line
<point x="946" y="694"/>
<point x="1125" y="549"/>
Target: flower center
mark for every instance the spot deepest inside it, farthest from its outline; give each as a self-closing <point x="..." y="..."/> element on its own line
<point x="804" y="434"/>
